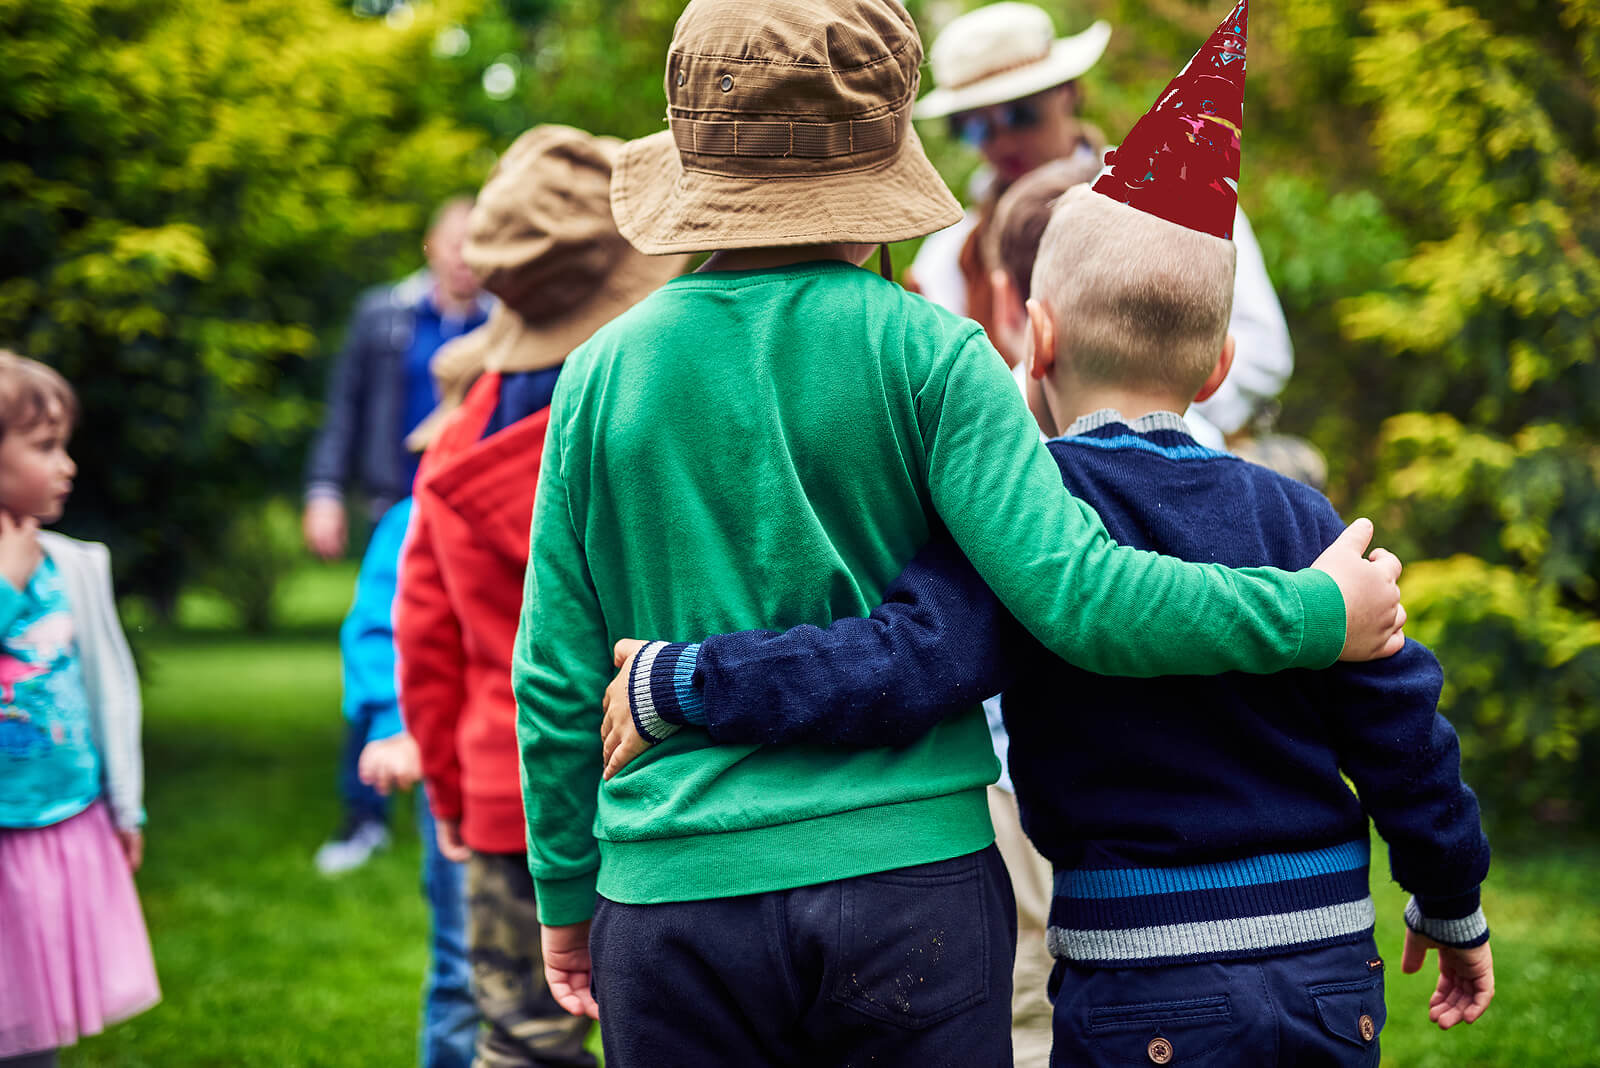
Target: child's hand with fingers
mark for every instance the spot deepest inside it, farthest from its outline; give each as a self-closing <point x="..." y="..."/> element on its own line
<point x="1369" y="582"/>
<point x="390" y="764"/>
<point x="19" y="548"/>
<point x="1466" y="979"/>
<point x="619" y="734"/>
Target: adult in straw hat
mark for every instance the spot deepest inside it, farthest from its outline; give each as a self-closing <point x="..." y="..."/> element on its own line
<point x="542" y="238"/>
<point x="1007" y="86"/>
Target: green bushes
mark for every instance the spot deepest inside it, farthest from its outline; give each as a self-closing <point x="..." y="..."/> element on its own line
<point x="191" y="194"/>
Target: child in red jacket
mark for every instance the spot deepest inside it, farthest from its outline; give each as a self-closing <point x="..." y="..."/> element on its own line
<point x="544" y="240"/>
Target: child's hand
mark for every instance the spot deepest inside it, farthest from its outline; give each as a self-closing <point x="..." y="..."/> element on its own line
<point x="19" y="548"/>
<point x="567" y="968"/>
<point x="1466" y="979"/>
<point x="620" y="738"/>
<point x="1370" y="585"/>
<point x="132" y="842"/>
<point x="390" y="764"/>
<point x="324" y="527"/>
<point x="448" y="834"/>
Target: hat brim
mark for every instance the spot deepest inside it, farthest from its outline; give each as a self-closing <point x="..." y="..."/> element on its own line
<point x="661" y="207"/>
<point x="532" y="345"/>
<point x="1069" y="58"/>
<point x="508" y="343"/>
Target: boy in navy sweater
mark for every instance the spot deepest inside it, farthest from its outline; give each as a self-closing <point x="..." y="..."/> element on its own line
<point x="1211" y="863"/>
<point x="1211" y="887"/>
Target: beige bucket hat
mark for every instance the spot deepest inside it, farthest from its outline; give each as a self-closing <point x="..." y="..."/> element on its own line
<point x="1005" y="51"/>
<point x="542" y="239"/>
<point x="789" y="124"/>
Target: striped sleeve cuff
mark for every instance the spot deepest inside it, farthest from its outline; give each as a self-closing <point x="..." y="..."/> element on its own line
<point x="1457" y="931"/>
<point x="661" y="691"/>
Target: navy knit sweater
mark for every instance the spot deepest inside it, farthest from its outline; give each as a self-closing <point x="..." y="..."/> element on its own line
<point x="1188" y="818"/>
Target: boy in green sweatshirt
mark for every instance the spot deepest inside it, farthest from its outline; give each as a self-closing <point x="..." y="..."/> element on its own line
<point x="766" y="443"/>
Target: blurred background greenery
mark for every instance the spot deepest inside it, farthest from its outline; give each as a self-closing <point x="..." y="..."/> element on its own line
<point x="192" y="193"/>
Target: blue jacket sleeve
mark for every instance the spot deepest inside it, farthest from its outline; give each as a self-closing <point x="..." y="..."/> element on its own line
<point x="938" y="644"/>
<point x="1405" y="762"/>
<point x="366" y="639"/>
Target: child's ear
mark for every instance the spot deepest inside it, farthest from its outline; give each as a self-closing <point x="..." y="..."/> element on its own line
<point x="1042" y="331"/>
<point x="1218" y="373"/>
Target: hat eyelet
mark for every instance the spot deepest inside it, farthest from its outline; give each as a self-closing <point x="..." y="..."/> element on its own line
<point x="682" y="78"/>
<point x="726" y="83"/>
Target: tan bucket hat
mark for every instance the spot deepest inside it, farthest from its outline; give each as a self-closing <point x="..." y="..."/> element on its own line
<point x="542" y="239"/>
<point x="1002" y="52"/>
<point x="789" y="124"/>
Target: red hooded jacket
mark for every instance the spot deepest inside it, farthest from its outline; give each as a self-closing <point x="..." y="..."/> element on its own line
<point x="460" y="596"/>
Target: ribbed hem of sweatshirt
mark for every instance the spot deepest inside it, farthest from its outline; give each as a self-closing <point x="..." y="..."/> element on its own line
<point x="673" y="692"/>
<point x="652" y="726"/>
<point x="1252" y="907"/>
<point x="1322" y="639"/>
<point x="1460" y="931"/>
<point x="755" y="860"/>
<point x="564" y="901"/>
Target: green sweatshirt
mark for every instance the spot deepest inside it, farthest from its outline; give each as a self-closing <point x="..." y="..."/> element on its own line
<point x="769" y="448"/>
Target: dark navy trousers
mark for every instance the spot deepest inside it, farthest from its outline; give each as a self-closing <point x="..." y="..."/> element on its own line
<point x="1314" y="1008"/>
<point x="910" y="967"/>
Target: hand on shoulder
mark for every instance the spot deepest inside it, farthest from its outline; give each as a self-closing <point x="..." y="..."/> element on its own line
<point x="1370" y="583"/>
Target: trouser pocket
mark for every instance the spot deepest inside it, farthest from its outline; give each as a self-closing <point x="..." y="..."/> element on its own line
<point x="1353" y="1014"/>
<point x="1186" y="1031"/>
<point x="914" y="943"/>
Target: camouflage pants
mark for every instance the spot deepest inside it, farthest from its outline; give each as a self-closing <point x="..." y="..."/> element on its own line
<point x="525" y="1026"/>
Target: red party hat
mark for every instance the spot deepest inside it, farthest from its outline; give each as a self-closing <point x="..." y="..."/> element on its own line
<point x="1180" y="162"/>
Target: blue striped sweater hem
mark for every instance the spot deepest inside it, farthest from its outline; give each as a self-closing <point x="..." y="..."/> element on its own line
<point x="1251" y="907"/>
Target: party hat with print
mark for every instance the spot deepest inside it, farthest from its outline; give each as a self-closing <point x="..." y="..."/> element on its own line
<point x="1180" y="162"/>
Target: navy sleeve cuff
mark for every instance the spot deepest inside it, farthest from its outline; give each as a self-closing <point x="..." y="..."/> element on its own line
<point x="661" y="692"/>
<point x="1444" y="921"/>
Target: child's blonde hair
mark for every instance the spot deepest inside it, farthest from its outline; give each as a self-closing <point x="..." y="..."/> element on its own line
<point x="1137" y="301"/>
<point x="32" y="393"/>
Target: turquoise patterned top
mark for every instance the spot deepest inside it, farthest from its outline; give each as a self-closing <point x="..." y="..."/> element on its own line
<point x="49" y="769"/>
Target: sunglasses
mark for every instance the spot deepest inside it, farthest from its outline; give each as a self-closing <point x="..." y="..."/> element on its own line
<point x="978" y="128"/>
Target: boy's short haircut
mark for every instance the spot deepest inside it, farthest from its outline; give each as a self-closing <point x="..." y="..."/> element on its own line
<point x="32" y="393"/>
<point x="1011" y="241"/>
<point x="1137" y="301"/>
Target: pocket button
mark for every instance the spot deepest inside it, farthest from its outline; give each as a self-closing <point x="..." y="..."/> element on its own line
<point x="1159" y="1050"/>
<point x="1367" y="1028"/>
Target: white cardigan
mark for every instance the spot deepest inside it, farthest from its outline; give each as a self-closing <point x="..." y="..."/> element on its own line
<point x="109" y="677"/>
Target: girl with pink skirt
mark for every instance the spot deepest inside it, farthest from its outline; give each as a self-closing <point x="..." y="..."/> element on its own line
<point x="74" y="955"/>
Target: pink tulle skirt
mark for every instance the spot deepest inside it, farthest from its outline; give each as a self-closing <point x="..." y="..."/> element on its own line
<point x="75" y="953"/>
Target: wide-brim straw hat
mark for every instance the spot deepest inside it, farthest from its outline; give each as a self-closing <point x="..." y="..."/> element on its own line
<point x="789" y="124"/>
<point x="1004" y="52"/>
<point x="542" y="238"/>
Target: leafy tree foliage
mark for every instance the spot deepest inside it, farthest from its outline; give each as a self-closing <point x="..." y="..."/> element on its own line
<point x="191" y="193"/>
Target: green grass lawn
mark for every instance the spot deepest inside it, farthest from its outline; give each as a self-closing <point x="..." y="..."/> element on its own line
<point x="263" y="962"/>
